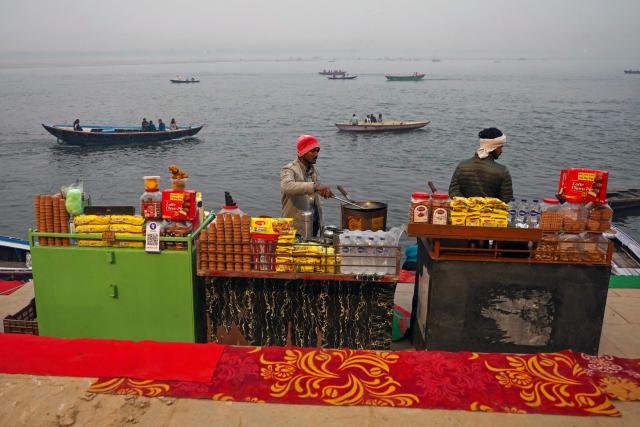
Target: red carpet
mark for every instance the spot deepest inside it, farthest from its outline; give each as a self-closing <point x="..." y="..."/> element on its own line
<point x="28" y="354"/>
<point x="619" y="378"/>
<point x="553" y="383"/>
<point x="7" y="287"/>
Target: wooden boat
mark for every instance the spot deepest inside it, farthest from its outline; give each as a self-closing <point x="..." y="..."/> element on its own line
<point x="342" y="77"/>
<point x="191" y="80"/>
<point x="405" y="77"/>
<point x="625" y="263"/>
<point x="624" y="199"/>
<point x="381" y="127"/>
<point x="332" y="73"/>
<point x="632" y="71"/>
<point x="106" y="135"/>
<point x="15" y="259"/>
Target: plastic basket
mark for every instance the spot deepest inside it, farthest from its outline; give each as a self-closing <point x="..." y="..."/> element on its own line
<point x="23" y="322"/>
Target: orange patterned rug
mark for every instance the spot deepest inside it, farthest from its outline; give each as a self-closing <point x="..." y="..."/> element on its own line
<point x="551" y="383"/>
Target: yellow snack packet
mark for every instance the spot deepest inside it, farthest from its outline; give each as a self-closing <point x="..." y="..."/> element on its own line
<point x="127" y="219"/>
<point x="92" y="219"/>
<point x="92" y="243"/>
<point x="92" y="228"/>
<point x="125" y="228"/>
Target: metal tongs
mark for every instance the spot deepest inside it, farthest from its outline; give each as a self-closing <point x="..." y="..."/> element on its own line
<point x="348" y="200"/>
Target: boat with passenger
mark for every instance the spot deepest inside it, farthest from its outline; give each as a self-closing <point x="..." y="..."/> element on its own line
<point x="405" y="77"/>
<point x="332" y="72"/>
<point x="107" y="135"/>
<point x="382" y="126"/>
<point x="180" y="79"/>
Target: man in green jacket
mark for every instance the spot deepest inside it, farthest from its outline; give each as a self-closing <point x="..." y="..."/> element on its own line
<point x="481" y="175"/>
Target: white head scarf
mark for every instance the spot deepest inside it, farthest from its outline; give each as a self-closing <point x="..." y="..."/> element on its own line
<point x="488" y="145"/>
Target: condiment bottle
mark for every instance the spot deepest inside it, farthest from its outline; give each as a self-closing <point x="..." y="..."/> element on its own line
<point x="440" y="208"/>
<point x="151" y="199"/>
<point x="420" y="207"/>
<point x="229" y="205"/>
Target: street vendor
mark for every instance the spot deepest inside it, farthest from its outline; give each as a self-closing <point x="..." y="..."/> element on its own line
<point x="299" y="185"/>
<point x="481" y="175"/>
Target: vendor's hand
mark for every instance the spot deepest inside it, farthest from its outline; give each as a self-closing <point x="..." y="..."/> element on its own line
<point x="324" y="191"/>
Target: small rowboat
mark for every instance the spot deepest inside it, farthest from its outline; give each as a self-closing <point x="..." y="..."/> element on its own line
<point x="624" y="199"/>
<point x="381" y="127"/>
<point x="107" y="135"/>
<point x="405" y="77"/>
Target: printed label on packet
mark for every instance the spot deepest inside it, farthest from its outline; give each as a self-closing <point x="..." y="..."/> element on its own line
<point x="152" y="239"/>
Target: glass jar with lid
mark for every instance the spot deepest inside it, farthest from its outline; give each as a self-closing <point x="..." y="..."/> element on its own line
<point x="420" y="208"/>
<point x="151" y="199"/>
<point x="440" y="208"/>
<point x="550" y="217"/>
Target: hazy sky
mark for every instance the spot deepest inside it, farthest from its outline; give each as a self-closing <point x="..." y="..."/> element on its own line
<point x="462" y="28"/>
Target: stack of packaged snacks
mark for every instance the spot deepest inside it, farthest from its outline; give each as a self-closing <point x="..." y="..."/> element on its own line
<point x="284" y="252"/>
<point x="87" y="224"/>
<point x="122" y="226"/>
<point x="265" y="232"/>
<point x="127" y="226"/>
<point x="479" y="212"/>
<point x="51" y="217"/>
<point x="176" y="229"/>
<point x="547" y="248"/>
<point x="599" y="216"/>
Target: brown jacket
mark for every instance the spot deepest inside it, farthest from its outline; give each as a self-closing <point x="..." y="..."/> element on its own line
<point x="297" y="194"/>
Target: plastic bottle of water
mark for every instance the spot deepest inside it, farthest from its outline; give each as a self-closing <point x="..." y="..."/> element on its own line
<point x="534" y="214"/>
<point x="360" y="254"/>
<point x="372" y="252"/>
<point x="522" y="220"/>
<point x="512" y="212"/>
<point x="345" y="259"/>
<point x="383" y="253"/>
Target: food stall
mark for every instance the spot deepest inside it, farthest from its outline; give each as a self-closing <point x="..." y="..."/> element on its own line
<point x="494" y="277"/>
<point x="173" y="274"/>
<point x="266" y="287"/>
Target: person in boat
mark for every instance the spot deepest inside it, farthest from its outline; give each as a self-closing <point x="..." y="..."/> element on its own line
<point x="151" y="127"/>
<point x="299" y="187"/>
<point x="379" y="118"/>
<point x="354" y="119"/>
<point x="372" y="118"/>
<point x="366" y="119"/>
<point x="173" y="125"/>
<point x="145" y="125"/>
<point x="76" y="125"/>
<point x="161" y="126"/>
<point x="481" y="175"/>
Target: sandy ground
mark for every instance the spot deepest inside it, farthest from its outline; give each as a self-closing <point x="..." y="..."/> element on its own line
<point x="27" y="400"/>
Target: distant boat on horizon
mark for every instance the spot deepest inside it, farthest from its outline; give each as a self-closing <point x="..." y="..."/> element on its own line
<point x="405" y="77"/>
<point x="179" y="79"/>
<point x="632" y="71"/>
<point x="332" y="72"/>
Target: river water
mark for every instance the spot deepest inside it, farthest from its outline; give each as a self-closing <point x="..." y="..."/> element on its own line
<point x="556" y="114"/>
